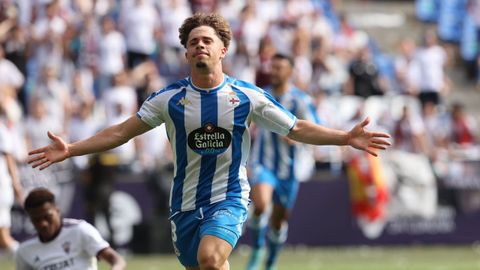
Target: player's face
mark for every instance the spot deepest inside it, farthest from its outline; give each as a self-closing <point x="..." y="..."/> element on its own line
<point x="204" y="49"/>
<point x="46" y="220"/>
<point x="280" y="72"/>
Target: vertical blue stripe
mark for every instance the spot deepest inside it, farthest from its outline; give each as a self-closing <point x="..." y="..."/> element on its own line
<point x="261" y="152"/>
<point x="240" y="116"/>
<point x="177" y="114"/>
<point x="209" y="114"/>
<point x="276" y="152"/>
<point x="292" y="148"/>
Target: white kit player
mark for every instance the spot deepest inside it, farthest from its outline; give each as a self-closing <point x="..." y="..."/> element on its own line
<point x="68" y="244"/>
<point x="207" y="117"/>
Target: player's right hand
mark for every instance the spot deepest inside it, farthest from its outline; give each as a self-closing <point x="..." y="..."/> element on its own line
<point x="45" y="156"/>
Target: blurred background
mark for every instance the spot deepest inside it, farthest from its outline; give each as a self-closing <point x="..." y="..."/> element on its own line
<point x="76" y="66"/>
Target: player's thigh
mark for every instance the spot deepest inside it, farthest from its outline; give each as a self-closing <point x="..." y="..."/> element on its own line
<point x="261" y="195"/>
<point x="263" y="184"/>
<point x="213" y="248"/>
<point x="185" y="237"/>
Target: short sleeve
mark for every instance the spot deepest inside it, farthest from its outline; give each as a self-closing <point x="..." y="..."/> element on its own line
<point x="151" y="111"/>
<point x="271" y="115"/>
<point x="91" y="239"/>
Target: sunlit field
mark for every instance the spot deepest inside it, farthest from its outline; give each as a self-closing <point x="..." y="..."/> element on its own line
<point x="358" y="258"/>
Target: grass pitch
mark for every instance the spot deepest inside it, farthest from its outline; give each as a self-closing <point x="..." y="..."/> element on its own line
<point x="354" y="258"/>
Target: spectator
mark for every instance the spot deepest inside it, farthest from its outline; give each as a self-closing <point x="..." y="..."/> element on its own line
<point x="139" y="23"/>
<point x="407" y="69"/>
<point x="409" y="133"/>
<point x="47" y="35"/>
<point x="112" y="53"/>
<point x="365" y="79"/>
<point x="10" y="187"/>
<point x="463" y="128"/>
<point x="432" y="60"/>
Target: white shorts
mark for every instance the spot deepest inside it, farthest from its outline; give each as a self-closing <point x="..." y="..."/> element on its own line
<point x="5" y="217"/>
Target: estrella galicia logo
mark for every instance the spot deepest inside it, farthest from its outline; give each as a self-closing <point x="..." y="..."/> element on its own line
<point x="209" y="140"/>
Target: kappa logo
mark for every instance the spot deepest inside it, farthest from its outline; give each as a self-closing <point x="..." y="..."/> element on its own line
<point x="66" y="247"/>
<point x="184" y="101"/>
<point x="233" y="99"/>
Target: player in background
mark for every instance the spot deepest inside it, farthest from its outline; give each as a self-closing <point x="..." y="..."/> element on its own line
<point x="61" y="243"/>
<point x="277" y="164"/>
<point x="207" y="117"/>
<point x="10" y="187"/>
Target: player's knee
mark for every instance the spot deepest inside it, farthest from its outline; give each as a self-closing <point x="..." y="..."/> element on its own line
<point x="260" y="208"/>
<point x="211" y="262"/>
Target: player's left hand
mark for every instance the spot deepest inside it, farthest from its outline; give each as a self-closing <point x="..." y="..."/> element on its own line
<point x="362" y="139"/>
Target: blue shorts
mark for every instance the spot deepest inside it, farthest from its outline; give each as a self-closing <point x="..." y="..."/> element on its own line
<point x="284" y="190"/>
<point x="223" y="219"/>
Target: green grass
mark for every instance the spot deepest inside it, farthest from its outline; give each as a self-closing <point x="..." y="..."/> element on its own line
<point x="355" y="258"/>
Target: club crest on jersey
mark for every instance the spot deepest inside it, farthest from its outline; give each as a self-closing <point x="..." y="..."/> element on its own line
<point x="66" y="247"/>
<point x="233" y="99"/>
<point x="184" y="101"/>
<point x="209" y="140"/>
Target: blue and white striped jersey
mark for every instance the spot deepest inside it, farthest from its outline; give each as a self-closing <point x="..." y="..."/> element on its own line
<point x="209" y="133"/>
<point x="276" y="154"/>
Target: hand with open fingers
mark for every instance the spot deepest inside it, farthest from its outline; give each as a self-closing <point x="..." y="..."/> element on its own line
<point x="45" y="156"/>
<point x="362" y="139"/>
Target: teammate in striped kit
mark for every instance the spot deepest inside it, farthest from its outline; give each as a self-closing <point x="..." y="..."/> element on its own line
<point x="276" y="167"/>
<point x="207" y="117"/>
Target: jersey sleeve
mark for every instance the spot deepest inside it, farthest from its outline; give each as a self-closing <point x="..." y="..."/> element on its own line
<point x="151" y="111"/>
<point x="91" y="239"/>
<point x="271" y="115"/>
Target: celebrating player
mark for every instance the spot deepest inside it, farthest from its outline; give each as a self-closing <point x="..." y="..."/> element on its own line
<point x="207" y="117"/>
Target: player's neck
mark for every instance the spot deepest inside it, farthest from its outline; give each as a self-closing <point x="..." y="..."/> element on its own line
<point x="279" y="90"/>
<point x="207" y="80"/>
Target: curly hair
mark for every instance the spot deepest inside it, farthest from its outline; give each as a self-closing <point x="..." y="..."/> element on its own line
<point x="217" y="22"/>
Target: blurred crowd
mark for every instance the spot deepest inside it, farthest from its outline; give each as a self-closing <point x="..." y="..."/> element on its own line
<point x="75" y="66"/>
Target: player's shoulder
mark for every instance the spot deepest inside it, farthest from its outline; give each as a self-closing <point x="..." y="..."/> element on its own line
<point x="296" y="92"/>
<point x="71" y="222"/>
<point x="175" y="86"/>
<point x="243" y="85"/>
<point x="28" y="242"/>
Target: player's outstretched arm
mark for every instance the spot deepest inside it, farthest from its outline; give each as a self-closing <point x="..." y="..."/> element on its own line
<point x="357" y="137"/>
<point x="112" y="258"/>
<point x="106" y="139"/>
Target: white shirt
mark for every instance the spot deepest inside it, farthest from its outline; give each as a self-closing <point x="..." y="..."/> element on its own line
<point x="75" y="248"/>
<point x="112" y="50"/>
<point x="431" y="62"/>
<point x="140" y="23"/>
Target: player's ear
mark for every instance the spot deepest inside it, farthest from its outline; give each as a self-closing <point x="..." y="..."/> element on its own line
<point x="224" y="52"/>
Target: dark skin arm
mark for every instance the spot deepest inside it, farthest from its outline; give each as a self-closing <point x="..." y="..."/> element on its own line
<point x="114" y="259"/>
